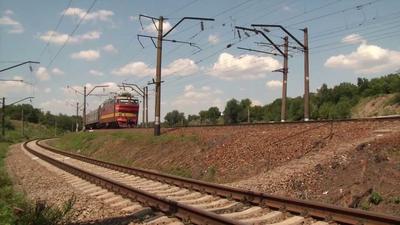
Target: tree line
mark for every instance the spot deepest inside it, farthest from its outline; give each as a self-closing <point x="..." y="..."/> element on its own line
<point x="34" y="115"/>
<point x="326" y="103"/>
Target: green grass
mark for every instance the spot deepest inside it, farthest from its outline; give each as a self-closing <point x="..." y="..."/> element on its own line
<point x="89" y="142"/>
<point x="10" y="200"/>
<point x="181" y="172"/>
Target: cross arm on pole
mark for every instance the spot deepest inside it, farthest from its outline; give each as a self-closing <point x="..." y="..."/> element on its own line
<point x="152" y="38"/>
<point x="282" y="28"/>
<point x="79" y="92"/>
<point x="264" y="35"/>
<point x="18" y="80"/>
<point x="97" y="86"/>
<point x="23" y="63"/>
<point x="254" y="50"/>
<point x="187" y="18"/>
<point x="135" y="85"/>
<point x="20" y="101"/>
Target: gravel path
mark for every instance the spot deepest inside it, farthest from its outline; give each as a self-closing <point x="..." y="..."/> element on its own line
<point x="41" y="181"/>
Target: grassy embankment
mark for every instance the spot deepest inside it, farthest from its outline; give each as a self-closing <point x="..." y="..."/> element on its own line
<point x="169" y="153"/>
<point x="12" y="201"/>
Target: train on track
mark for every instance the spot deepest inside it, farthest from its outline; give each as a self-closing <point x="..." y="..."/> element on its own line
<point x="121" y="111"/>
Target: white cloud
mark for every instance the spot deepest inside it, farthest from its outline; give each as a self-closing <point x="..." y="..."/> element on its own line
<point x="133" y="18"/>
<point x="47" y="90"/>
<point x="57" y="71"/>
<point x="274" y="84"/>
<point x="244" y="67"/>
<point x="56" y="106"/>
<point x="96" y="73"/>
<point x="353" y="39"/>
<point x="7" y="87"/>
<point x="14" y="26"/>
<point x="213" y="39"/>
<point x="287" y="8"/>
<point x="110" y="48"/>
<point x="367" y="59"/>
<point x="256" y="102"/>
<point x="194" y="99"/>
<point x="88" y="55"/>
<point x="59" y="38"/>
<point x="138" y="69"/>
<point x="99" y="15"/>
<point x="179" y="67"/>
<point x="151" y="29"/>
<point x="8" y="12"/>
<point x="42" y="73"/>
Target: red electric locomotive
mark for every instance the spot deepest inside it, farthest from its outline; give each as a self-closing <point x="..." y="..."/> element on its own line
<point x="118" y="112"/>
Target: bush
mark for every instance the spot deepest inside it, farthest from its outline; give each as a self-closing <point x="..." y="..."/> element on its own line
<point x="44" y="214"/>
<point x="396" y="99"/>
<point x="375" y="198"/>
<point x="8" y="124"/>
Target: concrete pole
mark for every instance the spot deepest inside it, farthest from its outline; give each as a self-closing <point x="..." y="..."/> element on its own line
<point x="306" y="78"/>
<point x="147" y="106"/>
<point x="144" y="106"/>
<point x="22" y="120"/>
<point x="3" y="117"/>
<point x="284" y="79"/>
<point x="77" y="118"/>
<point x="157" y="125"/>
<point x="84" y="109"/>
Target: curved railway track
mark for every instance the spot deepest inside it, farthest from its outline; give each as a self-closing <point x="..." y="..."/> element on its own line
<point x="200" y="202"/>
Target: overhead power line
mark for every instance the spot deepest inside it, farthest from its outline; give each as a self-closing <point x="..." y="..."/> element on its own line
<point x="55" y="30"/>
<point x="72" y="33"/>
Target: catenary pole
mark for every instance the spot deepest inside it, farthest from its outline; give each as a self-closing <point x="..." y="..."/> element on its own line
<point x="157" y="125"/>
<point x="3" y="117"/>
<point x="147" y="105"/>
<point x="77" y="118"/>
<point x="284" y="79"/>
<point x="84" y="109"/>
<point x="306" y="77"/>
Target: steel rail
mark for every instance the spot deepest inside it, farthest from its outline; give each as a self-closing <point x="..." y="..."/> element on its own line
<point x="301" y="207"/>
<point x="278" y="123"/>
<point x="170" y="207"/>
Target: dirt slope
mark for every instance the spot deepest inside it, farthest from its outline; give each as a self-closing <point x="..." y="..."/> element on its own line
<point x="376" y="106"/>
<point x="221" y="154"/>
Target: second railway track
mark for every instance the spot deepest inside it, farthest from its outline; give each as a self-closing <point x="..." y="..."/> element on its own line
<point x="200" y="202"/>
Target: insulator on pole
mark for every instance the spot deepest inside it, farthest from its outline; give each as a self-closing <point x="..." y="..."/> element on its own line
<point x="240" y="36"/>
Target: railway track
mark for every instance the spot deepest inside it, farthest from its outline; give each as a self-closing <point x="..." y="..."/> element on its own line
<point x="200" y="202"/>
<point x="277" y="123"/>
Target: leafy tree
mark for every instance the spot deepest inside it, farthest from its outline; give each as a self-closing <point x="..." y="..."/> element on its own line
<point x="327" y="111"/>
<point x="245" y="105"/>
<point x="175" y="117"/>
<point x="203" y="116"/>
<point x="193" y="118"/>
<point x="295" y="109"/>
<point x="273" y="111"/>
<point x="256" y="113"/>
<point x="343" y="108"/>
<point x="232" y="111"/>
<point x="213" y="114"/>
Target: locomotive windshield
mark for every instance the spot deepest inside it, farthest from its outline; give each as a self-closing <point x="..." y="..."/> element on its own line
<point x="127" y="101"/>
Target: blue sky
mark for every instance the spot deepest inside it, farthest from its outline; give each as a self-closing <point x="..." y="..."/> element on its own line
<point x="348" y="39"/>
